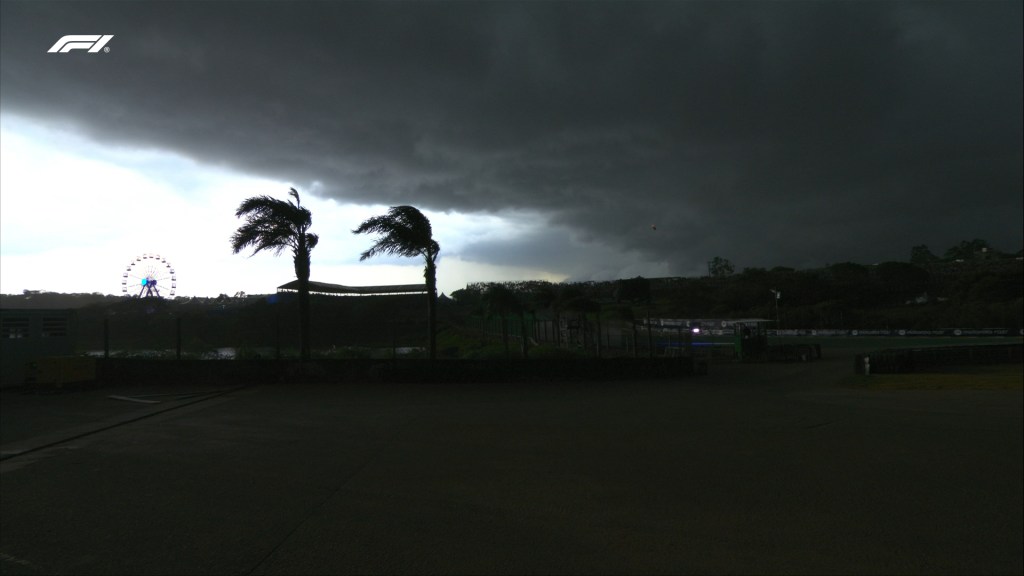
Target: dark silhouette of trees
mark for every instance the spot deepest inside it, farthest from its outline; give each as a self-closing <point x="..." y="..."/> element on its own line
<point x="272" y="224"/>
<point x="637" y="291"/>
<point x="583" y="307"/>
<point x="848" y="273"/>
<point x="551" y="297"/>
<point x="405" y="231"/>
<point x="901" y="281"/>
<point x="920" y="255"/>
<point x="624" y="313"/>
<point x="720" y="267"/>
<point x="502" y="302"/>
<point x="968" y="250"/>
<point x="965" y="250"/>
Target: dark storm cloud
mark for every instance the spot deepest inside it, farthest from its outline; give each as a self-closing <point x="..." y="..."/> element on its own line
<point x="793" y="133"/>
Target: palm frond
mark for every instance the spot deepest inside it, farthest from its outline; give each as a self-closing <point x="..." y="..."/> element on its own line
<point x="270" y="224"/>
<point x="433" y="250"/>
<point x="262" y="235"/>
<point x="257" y="205"/>
<point x="403" y="231"/>
<point x="311" y="240"/>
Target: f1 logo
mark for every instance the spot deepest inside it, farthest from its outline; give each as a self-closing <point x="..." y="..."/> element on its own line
<point x="91" y="42"/>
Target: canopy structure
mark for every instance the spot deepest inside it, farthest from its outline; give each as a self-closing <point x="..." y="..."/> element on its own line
<point x="339" y="290"/>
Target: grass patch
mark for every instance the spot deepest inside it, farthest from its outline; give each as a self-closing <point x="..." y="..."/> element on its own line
<point x="993" y="377"/>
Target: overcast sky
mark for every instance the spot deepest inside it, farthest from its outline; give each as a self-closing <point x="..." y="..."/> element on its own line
<point x="543" y="139"/>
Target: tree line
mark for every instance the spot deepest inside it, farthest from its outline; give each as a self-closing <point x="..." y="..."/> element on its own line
<point x="971" y="286"/>
<point x="981" y="293"/>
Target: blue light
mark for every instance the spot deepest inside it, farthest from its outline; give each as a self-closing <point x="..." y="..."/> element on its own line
<point x="143" y="281"/>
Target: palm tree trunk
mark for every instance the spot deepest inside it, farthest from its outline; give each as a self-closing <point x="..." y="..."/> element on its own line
<point x="304" y="351"/>
<point x="431" y="274"/>
<point x="302" y="273"/>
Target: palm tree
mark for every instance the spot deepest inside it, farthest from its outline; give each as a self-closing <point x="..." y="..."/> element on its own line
<point x="272" y="224"/>
<point x="405" y="231"/>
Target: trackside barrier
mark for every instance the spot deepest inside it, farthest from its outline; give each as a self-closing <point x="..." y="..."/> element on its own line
<point x="127" y="371"/>
<point x="902" y="360"/>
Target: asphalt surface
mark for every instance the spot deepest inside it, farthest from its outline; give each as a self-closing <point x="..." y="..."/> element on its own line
<point x="752" y="469"/>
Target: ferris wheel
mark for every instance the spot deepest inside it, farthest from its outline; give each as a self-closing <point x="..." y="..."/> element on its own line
<point x="149" y="273"/>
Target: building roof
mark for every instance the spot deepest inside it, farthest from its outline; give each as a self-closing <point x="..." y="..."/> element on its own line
<point x="338" y="289"/>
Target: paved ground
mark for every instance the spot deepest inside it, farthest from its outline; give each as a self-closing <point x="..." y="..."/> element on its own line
<point x="770" y="469"/>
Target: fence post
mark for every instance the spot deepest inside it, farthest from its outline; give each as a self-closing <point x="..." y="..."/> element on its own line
<point x="650" y="342"/>
<point x="277" y="336"/>
<point x="679" y="336"/>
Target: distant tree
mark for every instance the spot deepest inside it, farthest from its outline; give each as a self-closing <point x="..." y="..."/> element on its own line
<point x="568" y="296"/>
<point x="583" y="307"/>
<point x="986" y="289"/>
<point x="901" y="280"/>
<point x="637" y="291"/>
<point x="466" y="295"/>
<point x="554" y="297"/>
<point x="634" y="290"/>
<point x="272" y="224"/>
<point x="405" y="231"/>
<point x="626" y="314"/>
<point x="720" y="267"/>
<point x="967" y="249"/>
<point x="920" y="254"/>
<point x="849" y="282"/>
<point x="501" y="302"/>
<point x="848" y="272"/>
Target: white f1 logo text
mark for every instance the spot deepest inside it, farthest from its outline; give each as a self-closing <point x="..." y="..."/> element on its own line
<point x="91" y="42"/>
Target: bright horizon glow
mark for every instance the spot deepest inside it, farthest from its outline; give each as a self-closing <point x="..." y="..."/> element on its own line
<point x="74" y="213"/>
